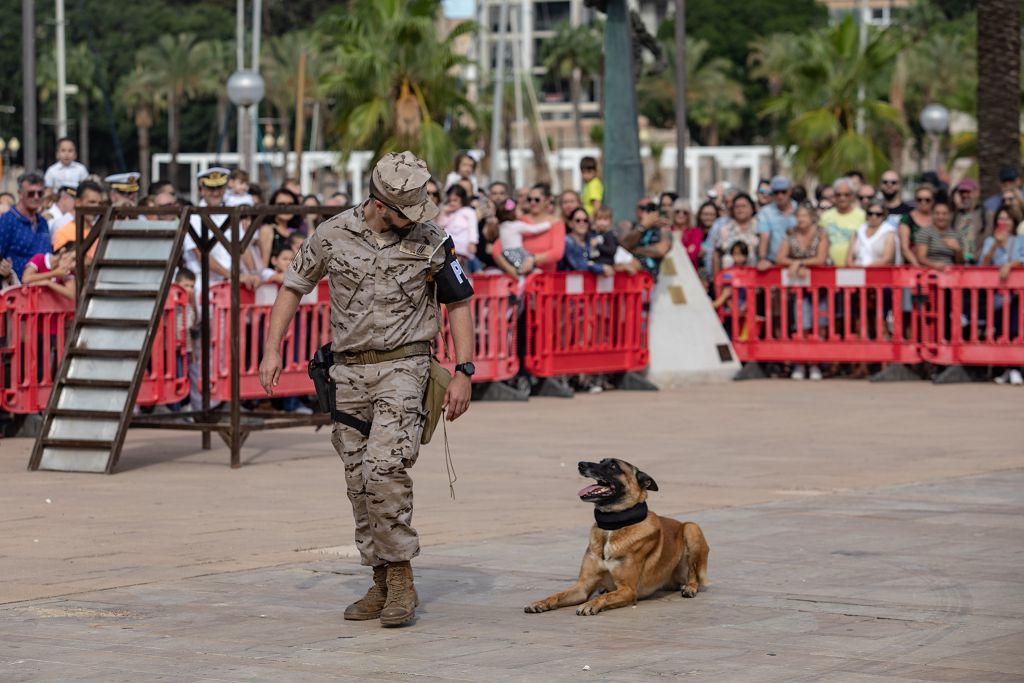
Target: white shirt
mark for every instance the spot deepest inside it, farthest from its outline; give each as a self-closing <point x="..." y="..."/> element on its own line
<point x="218" y="252"/>
<point x="58" y="174"/>
<point x="868" y="251"/>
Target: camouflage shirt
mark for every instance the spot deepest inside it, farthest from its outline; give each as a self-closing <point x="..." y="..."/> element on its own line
<point x="380" y="295"/>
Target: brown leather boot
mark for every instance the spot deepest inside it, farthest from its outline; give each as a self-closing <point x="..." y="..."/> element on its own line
<point x="401" y="603"/>
<point x="370" y="605"/>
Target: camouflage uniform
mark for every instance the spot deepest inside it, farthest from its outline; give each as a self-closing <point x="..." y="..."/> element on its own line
<point x="380" y="300"/>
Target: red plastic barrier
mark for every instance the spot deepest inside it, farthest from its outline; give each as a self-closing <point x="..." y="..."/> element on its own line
<point x="974" y="317"/>
<point x="494" y="319"/>
<point x="34" y="328"/>
<point x="579" y="323"/>
<point x="862" y="314"/>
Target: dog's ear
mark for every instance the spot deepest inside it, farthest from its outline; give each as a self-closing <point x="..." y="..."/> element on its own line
<point x="645" y="481"/>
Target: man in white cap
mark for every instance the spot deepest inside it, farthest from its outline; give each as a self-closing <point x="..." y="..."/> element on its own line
<point x="123" y="188"/>
<point x="385" y="262"/>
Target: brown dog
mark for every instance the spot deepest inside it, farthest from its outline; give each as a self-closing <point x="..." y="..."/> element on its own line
<point x="633" y="553"/>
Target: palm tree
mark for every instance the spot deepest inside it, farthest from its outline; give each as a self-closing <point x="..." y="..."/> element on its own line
<point x="713" y="96"/>
<point x="574" y="52"/>
<point x="769" y="59"/>
<point x="999" y="95"/>
<point x="81" y="72"/>
<point x="280" y="68"/>
<point x="139" y="95"/>
<point x="179" y="67"/>
<point x="819" y="97"/>
<point x="395" y="85"/>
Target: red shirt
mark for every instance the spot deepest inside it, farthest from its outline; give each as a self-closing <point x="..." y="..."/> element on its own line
<point x="692" y="238"/>
<point x="550" y="242"/>
<point x="41" y="262"/>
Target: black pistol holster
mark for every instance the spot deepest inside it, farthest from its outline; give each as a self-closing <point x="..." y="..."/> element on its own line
<point x="320" y="372"/>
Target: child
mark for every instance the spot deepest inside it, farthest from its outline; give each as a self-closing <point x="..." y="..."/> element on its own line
<point x="605" y="248"/>
<point x="238" y="189"/>
<point x="740" y="252"/>
<point x="465" y="169"/>
<point x="279" y="266"/>
<point x="55" y="270"/>
<point x="66" y="171"/>
<point x="511" y="231"/>
<point x="593" y="188"/>
<point x="189" y="321"/>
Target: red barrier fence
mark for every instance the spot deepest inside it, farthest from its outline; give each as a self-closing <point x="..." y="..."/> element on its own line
<point x="494" y="320"/>
<point x="35" y="321"/>
<point x="884" y="314"/>
<point x="579" y="323"/>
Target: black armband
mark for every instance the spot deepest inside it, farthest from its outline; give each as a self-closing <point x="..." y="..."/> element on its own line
<point x="452" y="282"/>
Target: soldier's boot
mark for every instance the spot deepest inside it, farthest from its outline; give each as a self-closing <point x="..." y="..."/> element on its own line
<point x="402" y="599"/>
<point x="370" y="605"/>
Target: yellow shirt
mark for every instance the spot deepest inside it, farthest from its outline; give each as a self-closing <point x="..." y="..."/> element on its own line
<point x="592" y="191"/>
<point x="840" y="228"/>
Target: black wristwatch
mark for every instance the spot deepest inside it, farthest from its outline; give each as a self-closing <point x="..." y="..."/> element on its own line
<point x="467" y="369"/>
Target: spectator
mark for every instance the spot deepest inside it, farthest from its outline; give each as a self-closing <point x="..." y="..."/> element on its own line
<point x="23" y="230"/>
<point x="970" y="219"/>
<point x="63" y="210"/>
<point x="824" y="197"/>
<point x="892" y="191"/>
<point x="604" y="246"/>
<point x="237" y="193"/>
<point x="774" y="220"/>
<point x="741" y="226"/>
<point x="690" y="235"/>
<point x="937" y="246"/>
<point x="798" y="194"/>
<point x="53" y="270"/>
<point x="842" y="221"/>
<point x="89" y="195"/>
<point x="342" y="201"/>
<point x="7" y="276"/>
<point x="1012" y="201"/>
<point x="665" y="202"/>
<point x="465" y="169"/>
<point x="274" y="237"/>
<point x="123" y="188"/>
<point x="547" y="247"/>
<point x="865" y="194"/>
<point x="66" y="171"/>
<point x="914" y="221"/>
<point x="723" y="203"/>
<point x="593" y="188"/>
<point x="7" y="200"/>
<point x="489" y="232"/>
<point x="212" y="186"/>
<point x="293" y="186"/>
<point x="498" y="193"/>
<point x="805" y="245"/>
<point x="764" y="193"/>
<point x="1009" y="181"/>
<point x="577" y="246"/>
<point x="460" y="221"/>
<point x="874" y="243"/>
<point x="163" y="193"/>
<point x="645" y="239"/>
<point x="739" y="253"/>
<point x="1005" y="250"/>
<point x="511" y="232"/>
<point x="256" y="192"/>
<point x="568" y="202"/>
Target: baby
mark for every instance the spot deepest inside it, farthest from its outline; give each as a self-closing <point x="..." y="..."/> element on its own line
<point x="511" y="231"/>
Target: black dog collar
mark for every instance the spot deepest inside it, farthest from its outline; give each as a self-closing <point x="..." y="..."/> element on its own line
<point x="610" y="521"/>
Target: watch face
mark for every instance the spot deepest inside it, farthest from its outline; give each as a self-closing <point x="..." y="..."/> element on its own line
<point x="467" y="368"/>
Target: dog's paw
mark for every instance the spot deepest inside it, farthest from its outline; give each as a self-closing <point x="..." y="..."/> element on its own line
<point x="688" y="592"/>
<point x="536" y="607"/>
<point x="588" y="609"/>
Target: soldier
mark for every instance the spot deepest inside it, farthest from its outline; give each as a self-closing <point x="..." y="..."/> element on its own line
<point x="124" y="188"/>
<point x="384" y="259"/>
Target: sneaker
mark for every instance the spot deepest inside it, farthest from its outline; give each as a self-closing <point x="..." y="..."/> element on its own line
<point x="303" y="410"/>
<point x="799" y="372"/>
<point x="595" y="389"/>
<point x="1015" y="377"/>
<point x="1003" y="378"/>
<point x="815" y="373"/>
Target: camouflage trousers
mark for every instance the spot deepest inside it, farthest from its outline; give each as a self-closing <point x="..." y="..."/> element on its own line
<point x="379" y="486"/>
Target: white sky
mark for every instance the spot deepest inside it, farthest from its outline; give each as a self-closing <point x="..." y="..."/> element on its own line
<point x="459" y="9"/>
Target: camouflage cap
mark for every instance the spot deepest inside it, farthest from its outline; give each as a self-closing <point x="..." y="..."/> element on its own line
<point x="400" y="180"/>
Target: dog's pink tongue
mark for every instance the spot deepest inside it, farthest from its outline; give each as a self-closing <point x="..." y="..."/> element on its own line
<point x="589" y="489"/>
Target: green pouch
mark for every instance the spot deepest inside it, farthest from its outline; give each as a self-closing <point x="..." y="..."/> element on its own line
<point x="433" y="399"/>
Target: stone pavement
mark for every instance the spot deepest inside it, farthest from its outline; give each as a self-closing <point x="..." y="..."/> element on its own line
<point x="870" y="554"/>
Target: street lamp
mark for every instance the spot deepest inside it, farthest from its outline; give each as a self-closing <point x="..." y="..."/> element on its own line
<point x="245" y="89"/>
<point x="935" y="121"/>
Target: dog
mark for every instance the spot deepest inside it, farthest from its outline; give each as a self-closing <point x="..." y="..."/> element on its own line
<point x="633" y="553"/>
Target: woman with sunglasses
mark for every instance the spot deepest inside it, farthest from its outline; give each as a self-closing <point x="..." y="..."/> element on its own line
<point x="276" y="236"/>
<point x="916" y="219"/>
<point x="547" y="248"/>
<point x="577" y="246"/>
<point x="874" y="243"/>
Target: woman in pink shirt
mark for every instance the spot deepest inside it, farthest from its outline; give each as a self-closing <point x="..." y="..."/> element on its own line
<point x="547" y="247"/>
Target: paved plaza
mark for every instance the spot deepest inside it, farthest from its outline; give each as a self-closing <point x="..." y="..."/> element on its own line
<point x="858" y="532"/>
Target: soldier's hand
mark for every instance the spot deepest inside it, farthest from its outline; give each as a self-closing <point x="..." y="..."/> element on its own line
<point x="456" y="399"/>
<point x="270" y="370"/>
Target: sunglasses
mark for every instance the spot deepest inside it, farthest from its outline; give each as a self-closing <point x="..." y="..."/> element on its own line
<point x="647" y="207"/>
<point x="924" y="200"/>
<point x="842" y="194"/>
<point x="877" y="214"/>
<point x="33" y="193"/>
<point x="581" y="220"/>
<point x="780" y="191"/>
<point x="890" y="182"/>
<point x="535" y="200"/>
<point x="866" y="197"/>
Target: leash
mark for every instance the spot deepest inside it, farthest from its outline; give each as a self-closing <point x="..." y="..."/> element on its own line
<point x="449" y="465"/>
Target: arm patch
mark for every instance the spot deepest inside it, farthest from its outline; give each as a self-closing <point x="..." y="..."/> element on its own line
<point x="451" y="280"/>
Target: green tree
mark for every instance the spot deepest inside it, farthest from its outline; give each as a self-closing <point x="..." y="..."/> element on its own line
<point x="714" y="97"/>
<point x="574" y="52"/>
<point x="395" y="84"/>
<point x="80" y="73"/>
<point x="141" y="98"/>
<point x="280" y="67"/>
<point x="819" y="96"/>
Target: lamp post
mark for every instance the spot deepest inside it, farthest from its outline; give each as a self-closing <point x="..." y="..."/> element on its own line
<point x="245" y="89"/>
<point x="935" y="121"/>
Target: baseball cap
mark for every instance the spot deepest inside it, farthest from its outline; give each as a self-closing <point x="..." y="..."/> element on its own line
<point x="780" y="183"/>
<point x="1008" y="173"/>
<point x="400" y="180"/>
<point x="967" y="184"/>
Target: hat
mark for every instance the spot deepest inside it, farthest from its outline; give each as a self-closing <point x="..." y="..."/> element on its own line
<point x="400" y="180"/>
<point x="681" y="205"/>
<point x="125" y="183"/>
<point x="1008" y="173"/>
<point x="69" y="190"/>
<point x="967" y="184"/>
<point x="780" y="183"/>
<point x="216" y="176"/>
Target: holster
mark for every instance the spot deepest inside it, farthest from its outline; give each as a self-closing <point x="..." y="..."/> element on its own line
<point x="319" y="370"/>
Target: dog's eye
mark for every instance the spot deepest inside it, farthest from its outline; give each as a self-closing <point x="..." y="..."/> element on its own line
<point x="615" y="466"/>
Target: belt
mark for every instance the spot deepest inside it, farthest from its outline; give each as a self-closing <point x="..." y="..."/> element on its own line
<point x="369" y="357"/>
